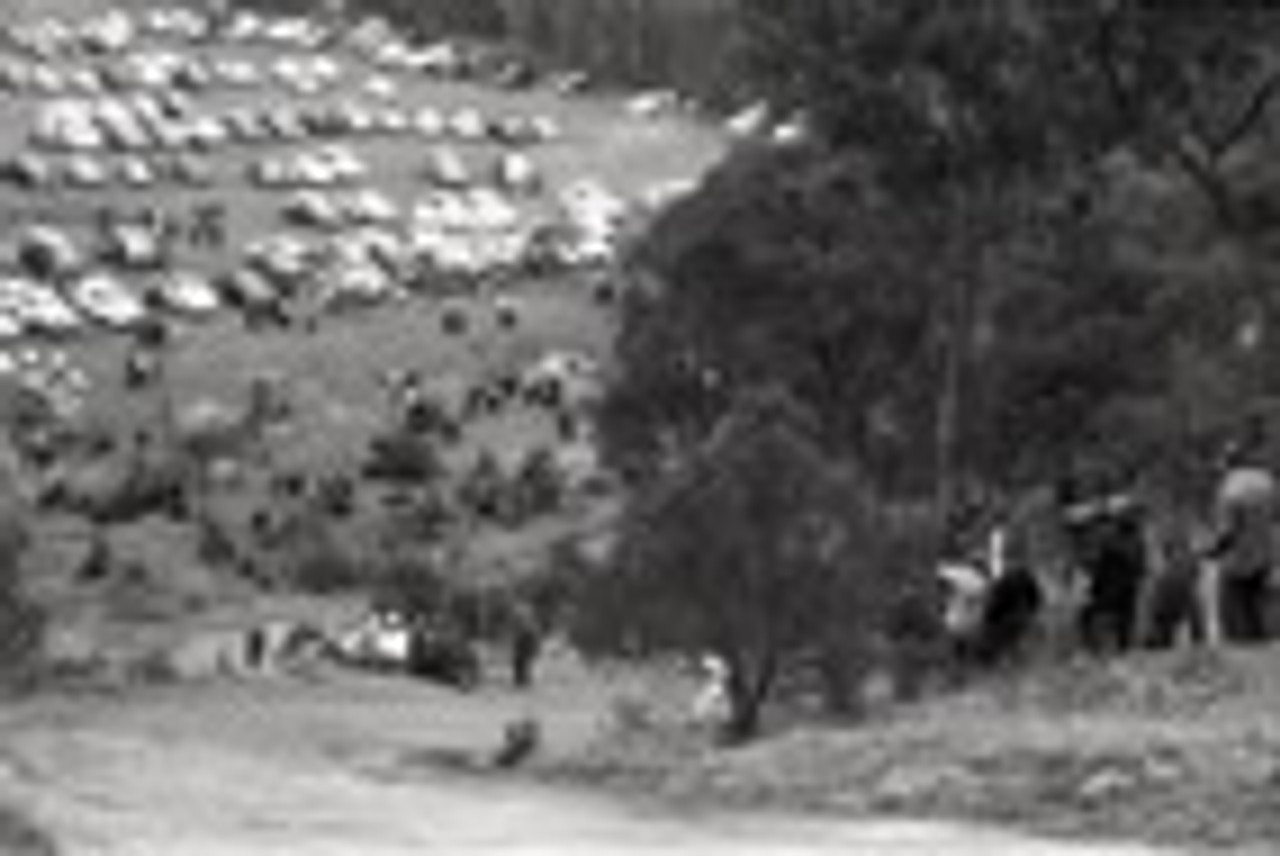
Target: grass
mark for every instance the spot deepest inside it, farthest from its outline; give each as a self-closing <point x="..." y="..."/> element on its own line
<point x="1180" y="750"/>
<point x="333" y="372"/>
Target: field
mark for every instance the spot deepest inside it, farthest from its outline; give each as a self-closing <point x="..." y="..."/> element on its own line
<point x="332" y="370"/>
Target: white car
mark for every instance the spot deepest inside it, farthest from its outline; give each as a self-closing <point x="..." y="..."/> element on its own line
<point x="35" y="307"/>
<point x="42" y="309"/>
<point x="239" y="74"/>
<point x="652" y="105"/>
<point x="430" y="123"/>
<point x="137" y="173"/>
<point x="517" y="173"/>
<point x="189" y="293"/>
<point x="469" y="125"/>
<point x="313" y="209"/>
<point x="344" y="163"/>
<point x="11" y="327"/>
<point x="369" y="207"/>
<point x="107" y="300"/>
<point x="382" y="88"/>
<point x="446" y="168"/>
<point x="749" y="122"/>
<point x="133" y="246"/>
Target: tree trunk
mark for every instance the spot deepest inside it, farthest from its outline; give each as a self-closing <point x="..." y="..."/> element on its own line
<point x="840" y="688"/>
<point x="747" y="696"/>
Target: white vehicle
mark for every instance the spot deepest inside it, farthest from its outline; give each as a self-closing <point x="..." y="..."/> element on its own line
<point x="749" y="122"/>
<point x="489" y="211"/>
<point x="369" y="207"/>
<point x="206" y="132"/>
<point x="11" y="327"/>
<point x="469" y="125"/>
<point x="517" y="173"/>
<point x="188" y="293"/>
<point x="238" y="74"/>
<point x="133" y="246"/>
<point x="107" y="300"/>
<point x="382" y="88"/>
<point x="359" y="283"/>
<point x="790" y="133"/>
<point x="429" y="123"/>
<point x="379" y="639"/>
<point x="42" y="309"/>
<point x="313" y="209"/>
<point x="662" y="195"/>
<point x="394" y="121"/>
<point x="281" y="257"/>
<point x="345" y="164"/>
<point x="33" y="307"/>
<point x="137" y="173"/>
<point x="652" y="105"/>
<point x="446" y="168"/>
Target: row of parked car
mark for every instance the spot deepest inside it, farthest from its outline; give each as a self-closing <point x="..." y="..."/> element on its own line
<point x="79" y="171"/>
<point x="170" y="120"/>
<point x="118" y="30"/>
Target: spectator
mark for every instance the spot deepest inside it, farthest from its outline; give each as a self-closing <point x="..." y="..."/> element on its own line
<point x="1244" y="548"/>
<point x="526" y="645"/>
<point x="1110" y="546"/>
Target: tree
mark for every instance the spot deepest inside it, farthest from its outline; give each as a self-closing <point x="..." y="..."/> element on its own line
<point x="740" y="552"/>
<point x="938" y="270"/>
<point x="783" y="271"/>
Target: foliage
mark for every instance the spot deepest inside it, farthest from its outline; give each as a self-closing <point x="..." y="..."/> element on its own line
<point x="991" y="261"/>
<point x="21" y="619"/>
<point x="746" y="552"/>
<point x="404" y="457"/>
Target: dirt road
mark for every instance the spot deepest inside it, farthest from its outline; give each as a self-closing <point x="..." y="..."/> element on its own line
<point x="253" y="772"/>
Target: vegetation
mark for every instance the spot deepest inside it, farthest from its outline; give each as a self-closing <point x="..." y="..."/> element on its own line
<point x="21" y="619"/>
<point x="744" y="552"/>
<point x="1021" y="240"/>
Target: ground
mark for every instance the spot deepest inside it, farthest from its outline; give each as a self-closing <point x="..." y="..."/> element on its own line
<point x="1180" y="750"/>
<point x="364" y="766"/>
<point x="351" y="765"/>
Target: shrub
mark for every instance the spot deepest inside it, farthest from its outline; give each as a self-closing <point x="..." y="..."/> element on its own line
<point x="19" y="836"/>
<point x="22" y="621"/>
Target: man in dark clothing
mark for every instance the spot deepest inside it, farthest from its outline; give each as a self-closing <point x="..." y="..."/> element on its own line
<point x="1014" y="601"/>
<point x="526" y="645"/>
<point x="1110" y="546"/>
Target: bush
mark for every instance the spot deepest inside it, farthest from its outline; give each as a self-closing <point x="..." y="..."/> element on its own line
<point x="22" y="621"/>
<point x="318" y="563"/>
<point x="403" y="457"/>
<point x="19" y="836"/>
<point x="412" y="586"/>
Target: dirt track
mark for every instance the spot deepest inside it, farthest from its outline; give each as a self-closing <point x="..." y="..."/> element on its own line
<point x="261" y="772"/>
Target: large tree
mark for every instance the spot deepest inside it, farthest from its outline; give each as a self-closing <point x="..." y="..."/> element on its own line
<point x="748" y="550"/>
<point x="961" y="268"/>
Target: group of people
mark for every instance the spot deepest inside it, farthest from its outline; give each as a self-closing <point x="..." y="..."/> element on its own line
<point x="1131" y="576"/>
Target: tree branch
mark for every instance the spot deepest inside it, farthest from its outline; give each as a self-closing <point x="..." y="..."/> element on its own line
<point x="1254" y="112"/>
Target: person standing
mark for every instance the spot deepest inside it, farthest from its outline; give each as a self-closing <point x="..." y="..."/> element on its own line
<point x="1244" y="548"/>
<point x="1110" y="549"/>
<point x="526" y="645"/>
